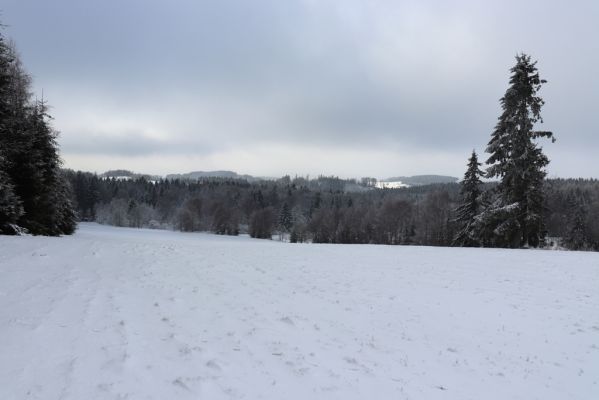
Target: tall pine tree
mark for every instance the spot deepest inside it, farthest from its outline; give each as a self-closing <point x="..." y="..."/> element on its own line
<point x="470" y="206"/>
<point x="10" y="205"/>
<point x="514" y="218"/>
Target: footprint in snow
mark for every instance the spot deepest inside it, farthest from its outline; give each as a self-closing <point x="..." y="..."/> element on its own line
<point x="288" y="321"/>
<point x="184" y="350"/>
<point x="351" y="360"/>
<point x="213" y="365"/>
<point x="179" y="382"/>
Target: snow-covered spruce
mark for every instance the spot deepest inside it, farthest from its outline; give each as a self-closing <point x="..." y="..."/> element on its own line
<point x="470" y="205"/>
<point x="514" y="218"/>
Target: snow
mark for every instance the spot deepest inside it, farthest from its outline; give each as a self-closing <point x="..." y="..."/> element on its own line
<point x="116" y="313"/>
<point x="390" y="184"/>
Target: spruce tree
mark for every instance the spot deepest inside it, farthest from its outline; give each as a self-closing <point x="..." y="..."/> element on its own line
<point x="577" y="235"/>
<point x="10" y="205"/>
<point x="285" y="218"/>
<point x="470" y="205"/>
<point x="514" y="217"/>
<point x="5" y="61"/>
<point x="41" y="183"/>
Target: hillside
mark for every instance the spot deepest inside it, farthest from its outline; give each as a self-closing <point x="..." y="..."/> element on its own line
<point x="419" y="180"/>
<point x="196" y="175"/>
<point x="131" y="313"/>
<point x="123" y="174"/>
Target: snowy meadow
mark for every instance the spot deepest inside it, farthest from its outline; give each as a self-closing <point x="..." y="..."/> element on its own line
<point x="118" y="313"/>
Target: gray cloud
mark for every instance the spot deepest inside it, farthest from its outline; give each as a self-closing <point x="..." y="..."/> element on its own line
<point x="129" y="144"/>
<point x="209" y="81"/>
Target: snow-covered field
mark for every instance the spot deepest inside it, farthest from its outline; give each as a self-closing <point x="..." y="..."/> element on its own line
<point x="113" y="313"/>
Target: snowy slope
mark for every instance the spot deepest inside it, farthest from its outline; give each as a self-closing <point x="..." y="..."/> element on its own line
<point x="113" y="313"/>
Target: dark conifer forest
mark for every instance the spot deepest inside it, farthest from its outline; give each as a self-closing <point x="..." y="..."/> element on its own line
<point x="34" y="195"/>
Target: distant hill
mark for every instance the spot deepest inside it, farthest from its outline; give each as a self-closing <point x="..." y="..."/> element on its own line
<point x="117" y="172"/>
<point x="195" y="175"/>
<point x="420" y="180"/>
<point x="123" y="174"/>
<point x="346" y="185"/>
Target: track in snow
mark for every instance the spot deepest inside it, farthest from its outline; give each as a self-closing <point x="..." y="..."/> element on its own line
<point x="113" y="313"/>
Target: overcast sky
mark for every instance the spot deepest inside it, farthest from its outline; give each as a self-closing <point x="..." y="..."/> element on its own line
<point x="342" y="87"/>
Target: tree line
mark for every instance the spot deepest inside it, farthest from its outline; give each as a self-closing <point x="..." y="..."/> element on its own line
<point x="300" y="212"/>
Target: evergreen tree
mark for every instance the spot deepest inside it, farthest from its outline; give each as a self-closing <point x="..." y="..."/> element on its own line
<point x="515" y="215"/>
<point x="470" y="206"/>
<point x="39" y="181"/>
<point x="5" y="61"/>
<point x="577" y="236"/>
<point x="10" y="205"/>
<point x="66" y="220"/>
<point x="285" y="218"/>
<point x="30" y="177"/>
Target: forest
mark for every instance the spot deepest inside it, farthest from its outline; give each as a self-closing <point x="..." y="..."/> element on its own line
<point x="320" y="210"/>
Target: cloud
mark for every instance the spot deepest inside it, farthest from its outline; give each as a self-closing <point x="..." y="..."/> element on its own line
<point x="129" y="144"/>
<point x="207" y="81"/>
